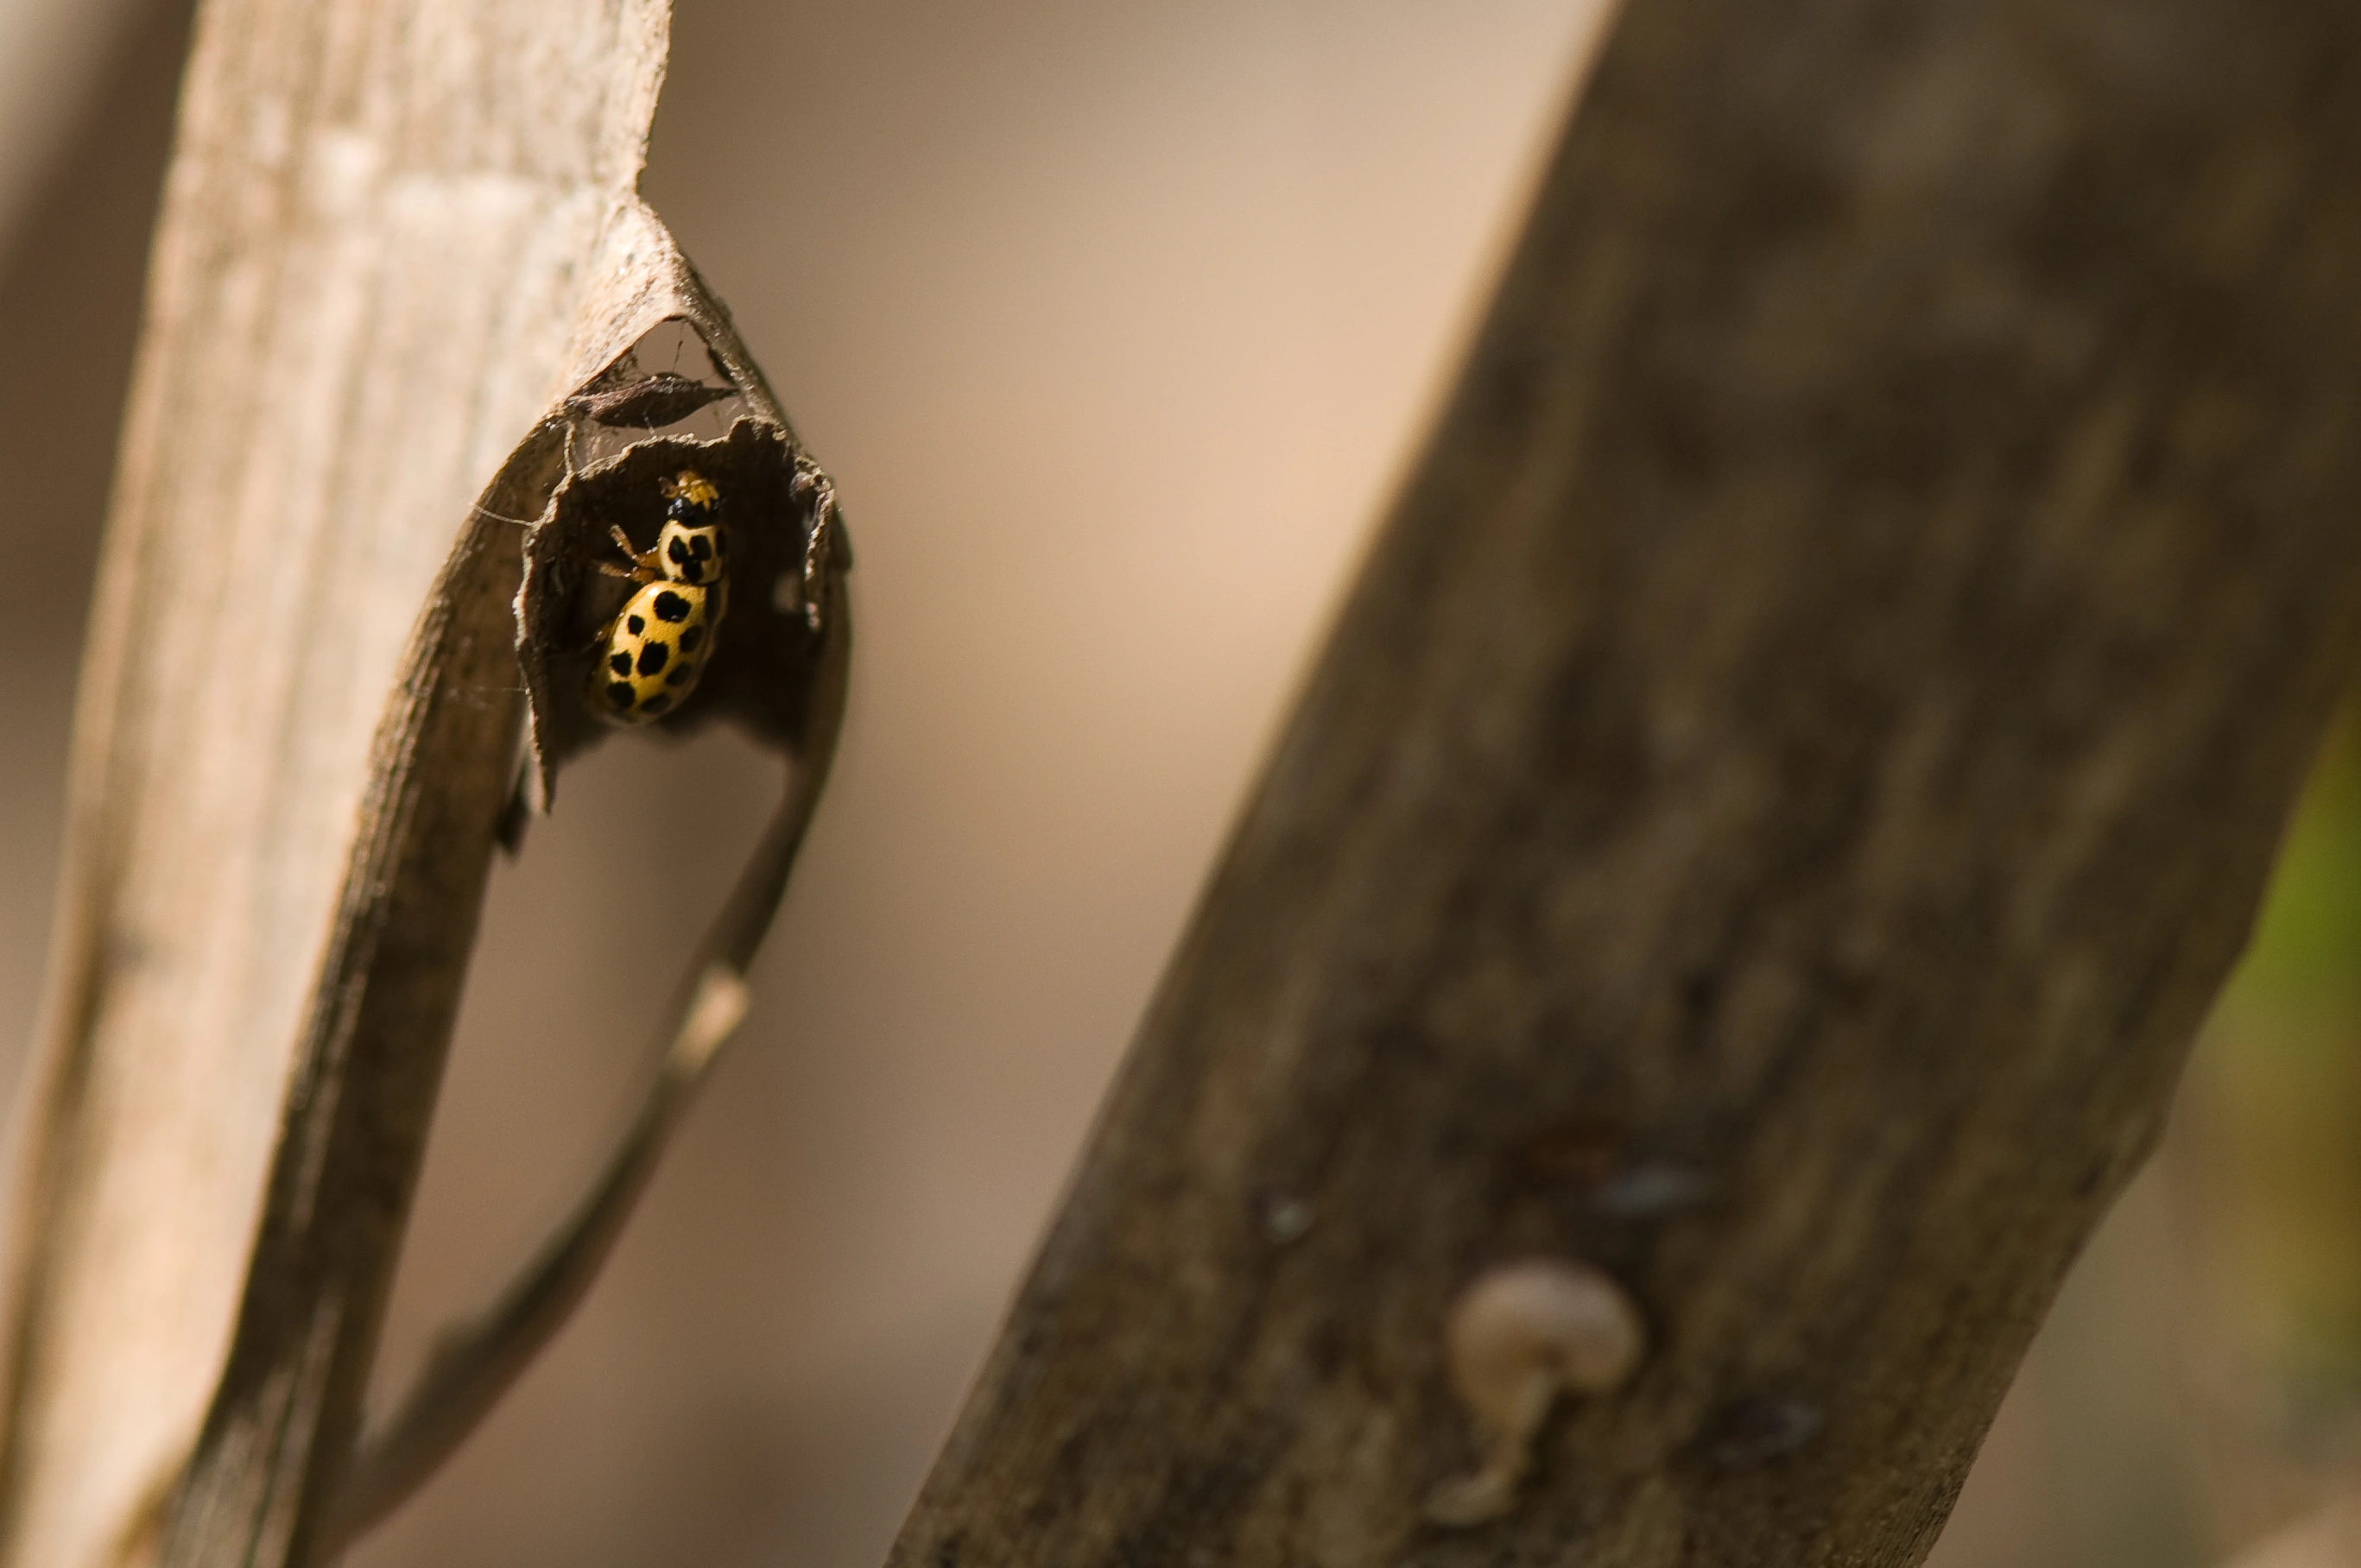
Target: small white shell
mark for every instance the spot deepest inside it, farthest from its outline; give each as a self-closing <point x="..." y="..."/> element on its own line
<point x="1520" y="1334"/>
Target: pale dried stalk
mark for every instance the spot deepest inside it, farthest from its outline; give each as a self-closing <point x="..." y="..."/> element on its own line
<point x="380" y="229"/>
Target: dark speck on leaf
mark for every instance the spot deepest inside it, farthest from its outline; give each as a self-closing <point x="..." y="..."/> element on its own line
<point x="1649" y="1190"/>
<point x="1578" y="1155"/>
<point x="1757" y="1430"/>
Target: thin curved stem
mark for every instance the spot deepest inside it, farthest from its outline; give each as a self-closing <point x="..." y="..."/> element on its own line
<point x="476" y="1361"/>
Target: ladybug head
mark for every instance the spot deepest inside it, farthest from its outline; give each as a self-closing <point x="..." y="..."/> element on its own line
<point x="691" y="499"/>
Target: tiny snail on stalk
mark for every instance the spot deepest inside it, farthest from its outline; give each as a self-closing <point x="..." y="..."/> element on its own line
<point x="1518" y="1336"/>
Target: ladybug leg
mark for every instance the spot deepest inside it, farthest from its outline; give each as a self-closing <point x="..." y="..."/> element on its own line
<point x="644" y="565"/>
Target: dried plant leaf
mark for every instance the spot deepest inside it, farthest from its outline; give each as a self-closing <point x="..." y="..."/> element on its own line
<point x="270" y="1463"/>
<point x="250" y="864"/>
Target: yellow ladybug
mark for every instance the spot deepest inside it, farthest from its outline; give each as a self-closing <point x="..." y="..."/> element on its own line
<point x="654" y="649"/>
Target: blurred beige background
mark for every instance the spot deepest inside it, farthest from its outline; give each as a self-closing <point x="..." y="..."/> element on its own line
<point x="1114" y="324"/>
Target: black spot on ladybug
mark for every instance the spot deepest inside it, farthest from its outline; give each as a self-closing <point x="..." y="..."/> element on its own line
<point x="682" y="673"/>
<point x="655" y="704"/>
<point x="679" y="551"/>
<point x="690" y="638"/>
<point x="700" y="546"/>
<point x="635" y="624"/>
<point x="653" y="656"/>
<point x="670" y="608"/>
<point x="620" y="663"/>
<point x="619" y="692"/>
